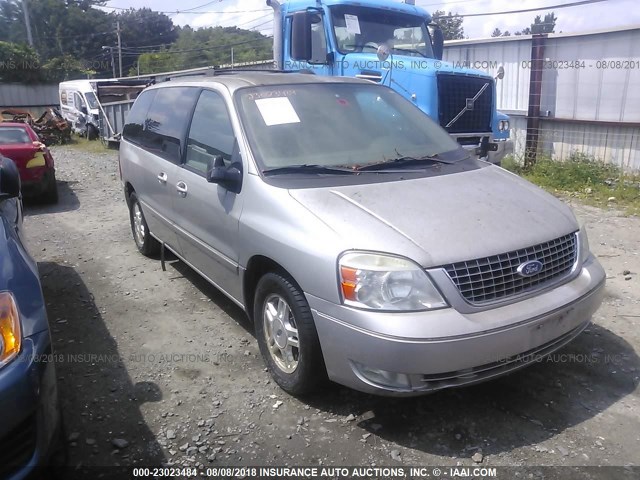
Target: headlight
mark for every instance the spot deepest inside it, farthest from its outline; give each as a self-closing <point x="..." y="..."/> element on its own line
<point x="385" y="282"/>
<point x="583" y="245"/>
<point x="10" y="334"/>
<point x="503" y="125"/>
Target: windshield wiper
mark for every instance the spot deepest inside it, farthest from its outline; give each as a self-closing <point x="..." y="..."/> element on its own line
<point x="410" y="50"/>
<point x="309" y="168"/>
<point x="400" y="162"/>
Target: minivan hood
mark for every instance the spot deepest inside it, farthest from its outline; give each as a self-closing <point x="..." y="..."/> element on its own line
<point x="443" y="219"/>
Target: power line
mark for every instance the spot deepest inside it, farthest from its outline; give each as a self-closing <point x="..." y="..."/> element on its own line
<point x="202" y="6"/>
<point x="190" y="11"/>
<point x="537" y="9"/>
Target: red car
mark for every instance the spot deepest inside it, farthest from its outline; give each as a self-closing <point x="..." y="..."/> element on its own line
<point x="21" y="144"/>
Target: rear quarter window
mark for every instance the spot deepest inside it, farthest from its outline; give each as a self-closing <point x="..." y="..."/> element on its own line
<point x="134" y="125"/>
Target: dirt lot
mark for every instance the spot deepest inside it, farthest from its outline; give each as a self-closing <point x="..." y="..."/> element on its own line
<point x="159" y="368"/>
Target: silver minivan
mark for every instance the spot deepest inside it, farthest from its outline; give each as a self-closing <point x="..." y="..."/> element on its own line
<point x="361" y="240"/>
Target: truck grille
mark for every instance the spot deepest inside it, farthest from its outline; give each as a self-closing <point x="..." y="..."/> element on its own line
<point x="455" y="94"/>
<point x="497" y="277"/>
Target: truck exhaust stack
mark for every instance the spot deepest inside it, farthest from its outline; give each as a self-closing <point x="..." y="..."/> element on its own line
<point x="277" y="33"/>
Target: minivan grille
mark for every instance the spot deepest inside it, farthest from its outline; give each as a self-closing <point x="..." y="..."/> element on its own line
<point x="455" y="93"/>
<point x="497" y="277"/>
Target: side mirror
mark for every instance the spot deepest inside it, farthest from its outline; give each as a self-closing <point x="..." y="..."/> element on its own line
<point x="438" y="41"/>
<point x="301" y="36"/>
<point x="9" y="179"/>
<point x="227" y="177"/>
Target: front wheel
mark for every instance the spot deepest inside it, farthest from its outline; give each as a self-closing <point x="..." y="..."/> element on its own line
<point x="92" y="132"/>
<point x="147" y="245"/>
<point x="287" y="335"/>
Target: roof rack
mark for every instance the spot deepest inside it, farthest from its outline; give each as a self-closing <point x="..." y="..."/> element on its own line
<point x="232" y="71"/>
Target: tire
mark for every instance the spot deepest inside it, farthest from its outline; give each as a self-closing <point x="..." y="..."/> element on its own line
<point x="147" y="245"/>
<point x="50" y="194"/>
<point x="92" y="132"/>
<point x="59" y="457"/>
<point x="296" y="369"/>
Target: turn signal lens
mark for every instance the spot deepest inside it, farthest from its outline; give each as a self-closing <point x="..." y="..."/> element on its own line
<point x="10" y="334"/>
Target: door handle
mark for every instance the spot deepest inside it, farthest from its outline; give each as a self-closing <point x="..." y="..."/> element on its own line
<point x="162" y="177"/>
<point x="181" y="187"/>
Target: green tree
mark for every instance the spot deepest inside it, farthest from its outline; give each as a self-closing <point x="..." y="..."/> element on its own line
<point x="66" y="67"/>
<point x="19" y="63"/>
<point x="451" y="24"/>
<point x="541" y="25"/>
<point x="143" y="30"/>
<point x="546" y="25"/>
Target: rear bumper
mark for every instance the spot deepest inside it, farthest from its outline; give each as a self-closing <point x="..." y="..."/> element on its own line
<point x="29" y="411"/>
<point x="428" y="352"/>
<point x="36" y="182"/>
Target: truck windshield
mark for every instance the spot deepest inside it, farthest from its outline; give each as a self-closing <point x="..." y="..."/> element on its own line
<point x="360" y="29"/>
<point x="91" y="100"/>
<point x="347" y="125"/>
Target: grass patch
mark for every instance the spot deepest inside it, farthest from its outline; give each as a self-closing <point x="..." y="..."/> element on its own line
<point x="88" y="146"/>
<point x="584" y="177"/>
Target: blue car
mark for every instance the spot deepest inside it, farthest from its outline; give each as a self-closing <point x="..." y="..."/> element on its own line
<point x="29" y="409"/>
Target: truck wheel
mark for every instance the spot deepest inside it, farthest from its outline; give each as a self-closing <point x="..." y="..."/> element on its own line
<point x="50" y="194"/>
<point x="147" y="245"/>
<point x="92" y="132"/>
<point x="287" y="335"/>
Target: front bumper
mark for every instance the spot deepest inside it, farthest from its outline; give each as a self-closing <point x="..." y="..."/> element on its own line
<point x="486" y="148"/>
<point x="503" y="148"/>
<point x="420" y="352"/>
<point x="29" y="410"/>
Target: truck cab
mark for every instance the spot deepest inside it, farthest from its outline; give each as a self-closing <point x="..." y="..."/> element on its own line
<point x="79" y="106"/>
<point x="394" y="44"/>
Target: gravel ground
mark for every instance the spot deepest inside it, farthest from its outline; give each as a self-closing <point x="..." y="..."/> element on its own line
<point x="159" y="368"/>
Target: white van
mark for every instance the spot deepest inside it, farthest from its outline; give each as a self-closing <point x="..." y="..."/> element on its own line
<point x="79" y="106"/>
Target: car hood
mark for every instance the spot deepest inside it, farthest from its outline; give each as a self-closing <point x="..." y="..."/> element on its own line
<point x="443" y="219"/>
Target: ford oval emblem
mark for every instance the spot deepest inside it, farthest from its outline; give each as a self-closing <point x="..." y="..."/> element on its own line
<point x="530" y="268"/>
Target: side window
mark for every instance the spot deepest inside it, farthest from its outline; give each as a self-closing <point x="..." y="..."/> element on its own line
<point x="79" y="101"/>
<point x="318" y="41"/>
<point x="167" y="120"/>
<point x="134" y="124"/>
<point x="211" y="132"/>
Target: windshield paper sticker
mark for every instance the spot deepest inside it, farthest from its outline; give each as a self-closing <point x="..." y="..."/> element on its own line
<point x="352" y="24"/>
<point x="277" y="111"/>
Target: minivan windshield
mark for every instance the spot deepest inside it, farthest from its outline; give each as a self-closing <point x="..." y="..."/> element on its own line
<point x="348" y="125"/>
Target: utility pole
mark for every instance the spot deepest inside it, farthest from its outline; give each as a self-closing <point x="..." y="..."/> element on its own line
<point x="231" y="57"/>
<point x="119" y="47"/>
<point x="27" y="22"/>
<point x="113" y="63"/>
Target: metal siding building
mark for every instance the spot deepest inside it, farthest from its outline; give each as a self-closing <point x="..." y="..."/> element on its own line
<point x="589" y="103"/>
<point x="32" y="97"/>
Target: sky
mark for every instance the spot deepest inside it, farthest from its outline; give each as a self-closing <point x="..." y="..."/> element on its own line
<point x="255" y="15"/>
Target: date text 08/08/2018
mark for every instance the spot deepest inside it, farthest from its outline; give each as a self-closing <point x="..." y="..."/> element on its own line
<point x="318" y="472"/>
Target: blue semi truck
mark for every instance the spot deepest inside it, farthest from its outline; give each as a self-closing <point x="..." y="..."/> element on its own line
<point x="394" y="44"/>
